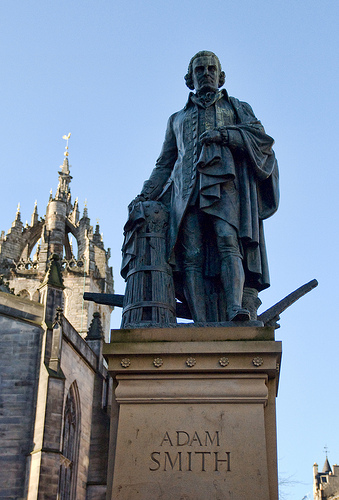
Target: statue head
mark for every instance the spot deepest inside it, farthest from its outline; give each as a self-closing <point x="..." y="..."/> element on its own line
<point x="205" y="57"/>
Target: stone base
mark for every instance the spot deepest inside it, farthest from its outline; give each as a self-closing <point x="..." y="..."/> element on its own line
<point x="196" y="414"/>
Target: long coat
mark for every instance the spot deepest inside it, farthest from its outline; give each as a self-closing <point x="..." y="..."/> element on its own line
<point x="174" y="176"/>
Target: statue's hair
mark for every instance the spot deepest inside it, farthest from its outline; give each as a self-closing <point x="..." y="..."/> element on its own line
<point x="189" y="75"/>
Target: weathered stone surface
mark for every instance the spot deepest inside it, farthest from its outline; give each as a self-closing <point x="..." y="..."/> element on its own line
<point x="20" y="341"/>
<point x="196" y="416"/>
<point x="37" y="368"/>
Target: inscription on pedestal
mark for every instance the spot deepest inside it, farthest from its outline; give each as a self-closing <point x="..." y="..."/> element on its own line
<point x="190" y="451"/>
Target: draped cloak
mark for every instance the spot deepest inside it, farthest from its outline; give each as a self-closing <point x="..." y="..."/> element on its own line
<point x="250" y="162"/>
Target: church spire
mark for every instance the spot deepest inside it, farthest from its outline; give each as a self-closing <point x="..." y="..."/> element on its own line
<point x="63" y="191"/>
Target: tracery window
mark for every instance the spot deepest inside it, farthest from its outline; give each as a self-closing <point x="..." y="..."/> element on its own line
<point x="70" y="446"/>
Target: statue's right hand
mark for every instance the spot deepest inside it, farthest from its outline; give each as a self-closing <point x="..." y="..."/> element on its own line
<point x="211" y="136"/>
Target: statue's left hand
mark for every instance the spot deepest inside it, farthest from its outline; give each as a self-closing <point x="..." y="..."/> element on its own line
<point x="211" y="136"/>
<point x="136" y="200"/>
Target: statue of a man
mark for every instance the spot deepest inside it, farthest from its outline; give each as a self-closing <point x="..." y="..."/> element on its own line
<point x="218" y="176"/>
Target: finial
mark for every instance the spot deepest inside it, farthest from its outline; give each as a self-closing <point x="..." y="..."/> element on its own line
<point x="18" y="214"/>
<point x="34" y="218"/>
<point x="85" y="214"/>
<point x="326" y="450"/>
<point x="98" y="220"/>
<point x="95" y="331"/>
<point x="17" y="221"/>
<point x="66" y="137"/>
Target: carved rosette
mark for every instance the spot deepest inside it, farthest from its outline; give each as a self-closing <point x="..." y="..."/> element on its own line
<point x="190" y="362"/>
<point x="125" y="362"/>
<point x="257" y="361"/>
<point x="158" y="362"/>
<point x="224" y="361"/>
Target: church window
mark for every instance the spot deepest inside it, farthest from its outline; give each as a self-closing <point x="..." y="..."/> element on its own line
<point x="70" y="446"/>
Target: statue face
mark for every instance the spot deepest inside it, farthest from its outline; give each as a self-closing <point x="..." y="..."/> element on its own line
<point x="206" y="73"/>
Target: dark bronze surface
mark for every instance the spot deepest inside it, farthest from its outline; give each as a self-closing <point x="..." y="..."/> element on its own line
<point x="217" y="177"/>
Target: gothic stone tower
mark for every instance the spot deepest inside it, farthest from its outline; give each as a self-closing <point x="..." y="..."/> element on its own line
<point x="25" y="253"/>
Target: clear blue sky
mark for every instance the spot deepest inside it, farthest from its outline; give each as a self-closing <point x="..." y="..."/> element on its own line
<point x="111" y="73"/>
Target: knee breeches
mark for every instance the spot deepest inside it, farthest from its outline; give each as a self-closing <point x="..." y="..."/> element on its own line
<point x="194" y="229"/>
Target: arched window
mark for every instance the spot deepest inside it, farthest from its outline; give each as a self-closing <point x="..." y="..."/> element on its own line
<point x="70" y="245"/>
<point x="70" y="445"/>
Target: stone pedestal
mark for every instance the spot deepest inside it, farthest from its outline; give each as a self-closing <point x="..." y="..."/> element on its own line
<point x="196" y="413"/>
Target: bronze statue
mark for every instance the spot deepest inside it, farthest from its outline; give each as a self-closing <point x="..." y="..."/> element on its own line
<point x="218" y="178"/>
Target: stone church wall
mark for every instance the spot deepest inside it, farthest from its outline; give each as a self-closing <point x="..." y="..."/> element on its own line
<point x="20" y="345"/>
<point x="76" y="369"/>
